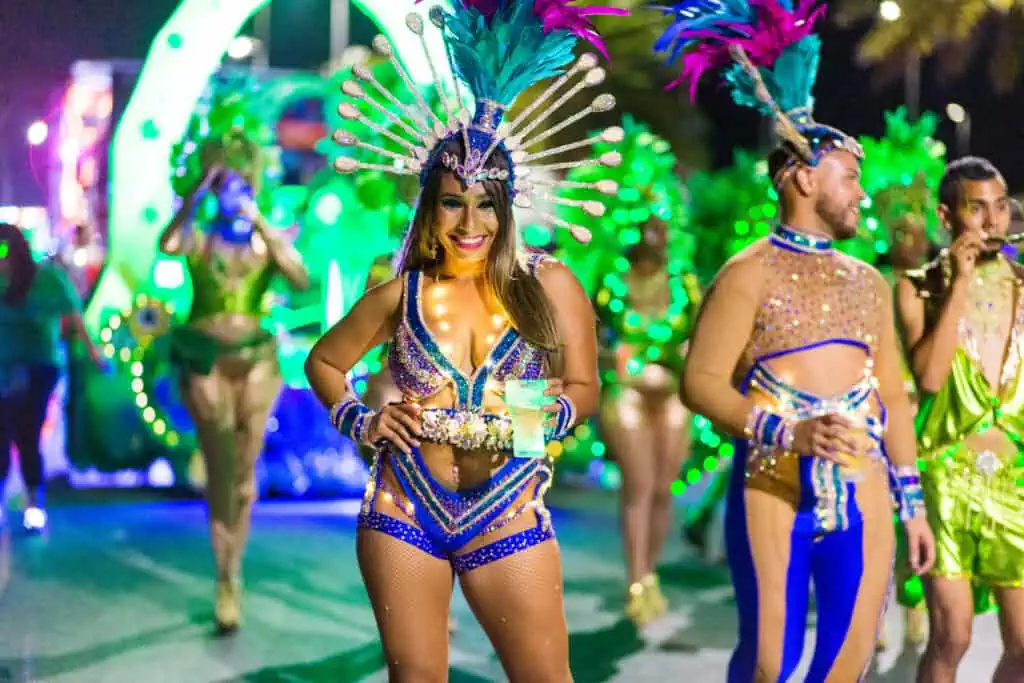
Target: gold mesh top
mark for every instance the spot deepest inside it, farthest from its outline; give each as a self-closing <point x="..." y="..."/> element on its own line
<point x="810" y="297"/>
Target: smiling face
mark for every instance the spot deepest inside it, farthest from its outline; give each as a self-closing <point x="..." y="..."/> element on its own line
<point x="839" y="193"/>
<point x="465" y="223"/>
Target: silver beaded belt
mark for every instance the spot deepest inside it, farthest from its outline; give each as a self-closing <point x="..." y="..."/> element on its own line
<point x="466" y="429"/>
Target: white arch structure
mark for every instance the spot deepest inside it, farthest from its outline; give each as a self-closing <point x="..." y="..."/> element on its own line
<point x="186" y="52"/>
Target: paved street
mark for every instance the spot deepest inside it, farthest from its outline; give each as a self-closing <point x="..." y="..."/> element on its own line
<point x="119" y="592"/>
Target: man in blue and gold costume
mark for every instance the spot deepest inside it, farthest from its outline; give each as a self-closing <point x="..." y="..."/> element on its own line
<point x="963" y="324"/>
<point x="795" y="354"/>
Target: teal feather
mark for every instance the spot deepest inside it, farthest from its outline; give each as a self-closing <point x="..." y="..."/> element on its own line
<point x="790" y="80"/>
<point x="500" y="59"/>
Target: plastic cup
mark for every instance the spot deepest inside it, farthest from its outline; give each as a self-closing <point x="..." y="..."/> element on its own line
<point x="526" y="400"/>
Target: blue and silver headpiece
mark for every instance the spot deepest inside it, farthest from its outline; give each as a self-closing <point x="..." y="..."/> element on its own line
<point x="496" y="50"/>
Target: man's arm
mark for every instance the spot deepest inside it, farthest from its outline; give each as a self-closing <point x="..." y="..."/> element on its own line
<point x="930" y="350"/>
<point x="721" y="332"/>
<point x="900" y="440"/>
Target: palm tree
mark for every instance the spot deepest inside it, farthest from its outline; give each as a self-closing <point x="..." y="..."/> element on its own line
<point x="955" y="31"/>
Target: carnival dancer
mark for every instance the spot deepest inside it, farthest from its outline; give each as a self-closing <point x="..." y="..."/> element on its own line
<point x="795" y="353"/>
<point x="455" y="490"/>
<point x="963" y="324"/>
<point x="228" y="365"/>
<point x="35" y="299"/>
<point x="643" y="419"/>
<point x="644" y="316"/>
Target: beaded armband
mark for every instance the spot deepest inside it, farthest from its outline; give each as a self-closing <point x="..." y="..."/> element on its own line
<point x="566" y="418"/>
<point x="352" y="418"/>
<point x="907" y="492"/>
<point x="769" y="430"/>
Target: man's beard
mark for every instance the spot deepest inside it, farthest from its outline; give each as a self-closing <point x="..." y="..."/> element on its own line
<point x="835" y="217"/>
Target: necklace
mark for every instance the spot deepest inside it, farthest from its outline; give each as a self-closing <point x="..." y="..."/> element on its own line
<point x="795" y="240"/>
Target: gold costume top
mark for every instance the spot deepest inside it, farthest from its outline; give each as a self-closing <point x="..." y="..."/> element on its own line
<point x="967" y="404"/>
<point x="813" y="296"/>
<point x="215" y="292"/>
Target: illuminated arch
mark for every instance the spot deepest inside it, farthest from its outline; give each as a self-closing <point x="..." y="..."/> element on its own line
<point x="184" y="55"/>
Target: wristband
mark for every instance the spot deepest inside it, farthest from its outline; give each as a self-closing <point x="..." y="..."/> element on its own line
<point x="771" y="430"/>
<point x="352" y="418"/>
<point x="907" y="492"/>
<point x="566" y="418"/>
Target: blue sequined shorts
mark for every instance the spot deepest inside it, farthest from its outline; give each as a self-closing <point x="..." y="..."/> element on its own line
<point x="441" y="521"/>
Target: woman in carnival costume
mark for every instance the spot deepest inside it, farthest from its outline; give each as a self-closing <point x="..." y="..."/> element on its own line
<point x="451" y="493"/>
<point x="795" y="354"/>
<point x="644" y="309"/>
<point x="228" y="363"/>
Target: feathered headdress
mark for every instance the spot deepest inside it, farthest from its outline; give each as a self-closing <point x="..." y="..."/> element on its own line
<point x="225" y="129"/>
<point x="768" y="57"/>
<point x="497" y="49"/>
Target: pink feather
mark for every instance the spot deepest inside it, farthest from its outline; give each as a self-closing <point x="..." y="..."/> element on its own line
<point x="557" y="15"/>
<point x="776" y="30"/>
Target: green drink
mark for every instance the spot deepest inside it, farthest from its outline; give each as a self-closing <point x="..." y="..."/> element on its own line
<point x="526" y="400"/>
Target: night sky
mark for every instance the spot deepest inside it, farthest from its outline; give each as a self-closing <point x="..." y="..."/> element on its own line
<point x="40" y="39"/>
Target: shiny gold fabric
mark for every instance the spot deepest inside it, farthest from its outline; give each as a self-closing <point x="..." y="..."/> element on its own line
<point x="967" y="405"/>
<point x="216" y="294"/>
<point x="976" y="511"/>
<point x="974" y="496"/>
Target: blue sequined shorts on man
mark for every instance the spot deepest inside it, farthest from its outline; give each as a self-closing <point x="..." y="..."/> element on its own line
<point x="440" y="522"/>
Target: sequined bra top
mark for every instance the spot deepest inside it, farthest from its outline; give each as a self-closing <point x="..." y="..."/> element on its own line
<point x="215" y="293"/>
<point x="813" y="295"/>
<point x="421" y="369"/>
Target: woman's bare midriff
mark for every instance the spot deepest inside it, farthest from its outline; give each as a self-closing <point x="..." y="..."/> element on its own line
<point x="455" y="468"/>
<point x="228" y="328"/>
<point x="232" y="328"/>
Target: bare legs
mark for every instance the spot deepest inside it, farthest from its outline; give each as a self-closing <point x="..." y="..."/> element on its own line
<point x="950" y="617"/>
<point x="517" y="599"/>
<point x="230" y="414"/>
<point x="647" y="438"/>
<point x="672" y="431"/>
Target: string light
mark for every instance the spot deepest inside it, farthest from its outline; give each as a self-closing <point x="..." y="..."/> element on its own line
<point x="649" y="189"/>
<point x="128" y="337"/>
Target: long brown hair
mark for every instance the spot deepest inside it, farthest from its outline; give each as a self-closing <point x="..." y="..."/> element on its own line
<point x="23" y="266"/>
<point x="520" y="294"/>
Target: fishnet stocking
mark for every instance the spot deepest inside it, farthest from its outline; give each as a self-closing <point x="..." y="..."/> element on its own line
<point x="518" y="601"/>
<point x="410" y="592"/>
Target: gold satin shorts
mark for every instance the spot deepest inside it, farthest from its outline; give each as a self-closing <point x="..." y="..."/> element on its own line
<point x="975" y="505"/>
